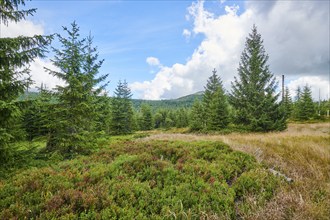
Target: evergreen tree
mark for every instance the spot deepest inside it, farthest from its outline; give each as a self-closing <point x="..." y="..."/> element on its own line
<point x="182" y="119"/>
<point x="145" y="121"/>
<point x="197" y="117"/>
<point x="215" y="104"/>
<point x="37" y="114"/>
<point x="212" y="85"/>
<point x="121" y="110"/>
<point x="15" y="56"/>
<point x="254" y="94"/>
<point x="103" y="109"/>
<point x="287" y="103"/>
<point x="305" y="108"/>
<point x="77" y="59"/>
<point x="218" y="117"/>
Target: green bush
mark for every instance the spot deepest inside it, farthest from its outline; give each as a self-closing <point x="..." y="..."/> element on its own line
<point x="140" y="180"/>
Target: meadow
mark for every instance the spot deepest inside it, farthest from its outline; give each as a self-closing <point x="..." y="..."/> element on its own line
<point x="177" y="175"/>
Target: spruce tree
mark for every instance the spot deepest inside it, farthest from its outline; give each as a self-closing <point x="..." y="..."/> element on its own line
<point x="287" y="103"/>
<point x="77" y="59"/>
<point x="305" y="108"/>
<point x="254" y="95"/>
<point x="15" y="56"/>
<point x="182" y="119"/>
<point x="215" y="104"/>
<point x="197" y="116"/>
<point x="121" y="110"/>
<point x="145" y="120"/>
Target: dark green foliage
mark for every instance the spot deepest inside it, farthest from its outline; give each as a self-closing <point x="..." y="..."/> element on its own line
<point x="287" y="103"/>
<point x="304" y="106"/>
<point x="197" y="116"/>
<point x="15" y="56"/>
<point x="145" y="120"/>
<point x="253" y="95"/>
<point x="213" y="113"/>
<point x="37" y="115"/>
<point x="182" y="102"/>
<point x="103" y="110"/>
<point x="215" y="104"/>
<point x="121" y="110"/>
<point x="136" y="180"/>
<point x="73" y="130"/>
<point x="182" y="118"/>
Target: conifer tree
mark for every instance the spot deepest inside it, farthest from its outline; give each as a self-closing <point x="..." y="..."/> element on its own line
<point x="181" y="118"/>
<point x="15" y="56"/>
<point x="145" y="121"/>
<point x="215" y="104"/>
<point x="197" y="116"/>
<point x="121" y="110"/>
<point x="253" y="93"/>
<point x="77" y="59"/>
<point x="305" y="108"/>
<point x="287" y="103"/>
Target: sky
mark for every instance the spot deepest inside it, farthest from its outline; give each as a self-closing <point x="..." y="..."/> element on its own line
<point x="168" y="49"/>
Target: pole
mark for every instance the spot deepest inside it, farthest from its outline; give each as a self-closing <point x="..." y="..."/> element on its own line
<point x="282" y="88"/>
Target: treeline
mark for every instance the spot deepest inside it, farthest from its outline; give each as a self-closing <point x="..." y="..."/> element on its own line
<point x="74" y="115"/>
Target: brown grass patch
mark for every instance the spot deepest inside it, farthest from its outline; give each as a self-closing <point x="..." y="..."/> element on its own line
<point x="302" y="152"/>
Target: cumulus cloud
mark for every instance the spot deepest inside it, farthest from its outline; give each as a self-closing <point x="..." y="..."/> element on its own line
<point x="186" y="33"/>
<point x="295" y="36"/>
<point x="153" y="61"/>
<point x="38" y="74"/>
<point x="318" y="86"/>
<point x="26" y="28"/>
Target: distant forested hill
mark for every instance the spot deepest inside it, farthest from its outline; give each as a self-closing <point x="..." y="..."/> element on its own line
<point x="185" y="101"/>
<point x="182" y="102"/>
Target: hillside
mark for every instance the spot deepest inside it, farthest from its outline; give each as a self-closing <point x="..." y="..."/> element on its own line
<point x="182" y="102"/>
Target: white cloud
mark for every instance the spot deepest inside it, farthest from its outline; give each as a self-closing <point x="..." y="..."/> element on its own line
<point x="319" y="86"/>
<point x="232" y="9"/>
<point x="153" y="61"/>
<point x="25" y="28"/>
<point x="186" y="33"/>
<point x="38" y="74"/>
<point x="295" y="37"/>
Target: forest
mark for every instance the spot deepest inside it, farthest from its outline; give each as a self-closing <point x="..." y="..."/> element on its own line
<point x="76" y="152"/>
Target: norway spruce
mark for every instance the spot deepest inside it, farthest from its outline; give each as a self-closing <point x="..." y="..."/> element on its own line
<point x="304" y="106"/>
<point x="15" y="56"/>
<point x="215" y="104"/>
<point x="78" y="64"/>
<point x="121" y="110"/>
<point x="254" y="95"/>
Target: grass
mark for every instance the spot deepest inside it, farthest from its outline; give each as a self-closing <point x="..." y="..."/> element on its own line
<point x="302" y="152"/>
<point x="164" y="175"/>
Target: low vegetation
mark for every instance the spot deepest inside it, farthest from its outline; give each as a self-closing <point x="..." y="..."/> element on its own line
<point x="302" y="153"/>
<point x="142" y="180"/>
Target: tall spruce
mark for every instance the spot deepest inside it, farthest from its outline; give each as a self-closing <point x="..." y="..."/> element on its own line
<point x="15" y="56"/>
<point x="305" y="108"/>
<point x="197" y="116"/>
<point x="215" y="104"/>
<point x="254" y="95"/>
<point x="121" y="110"/>
<point x="145" y="120"/>
<point x="77" y="60"/>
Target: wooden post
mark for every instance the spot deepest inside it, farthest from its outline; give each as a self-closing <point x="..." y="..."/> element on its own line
<point x="283" y="88"/>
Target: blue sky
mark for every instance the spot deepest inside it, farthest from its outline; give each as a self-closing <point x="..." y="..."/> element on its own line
<point x="185" y="40"/>
<point x="125" y="32"/>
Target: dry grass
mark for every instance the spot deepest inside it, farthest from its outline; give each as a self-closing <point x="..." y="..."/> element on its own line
<point x="302" y="152"/>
